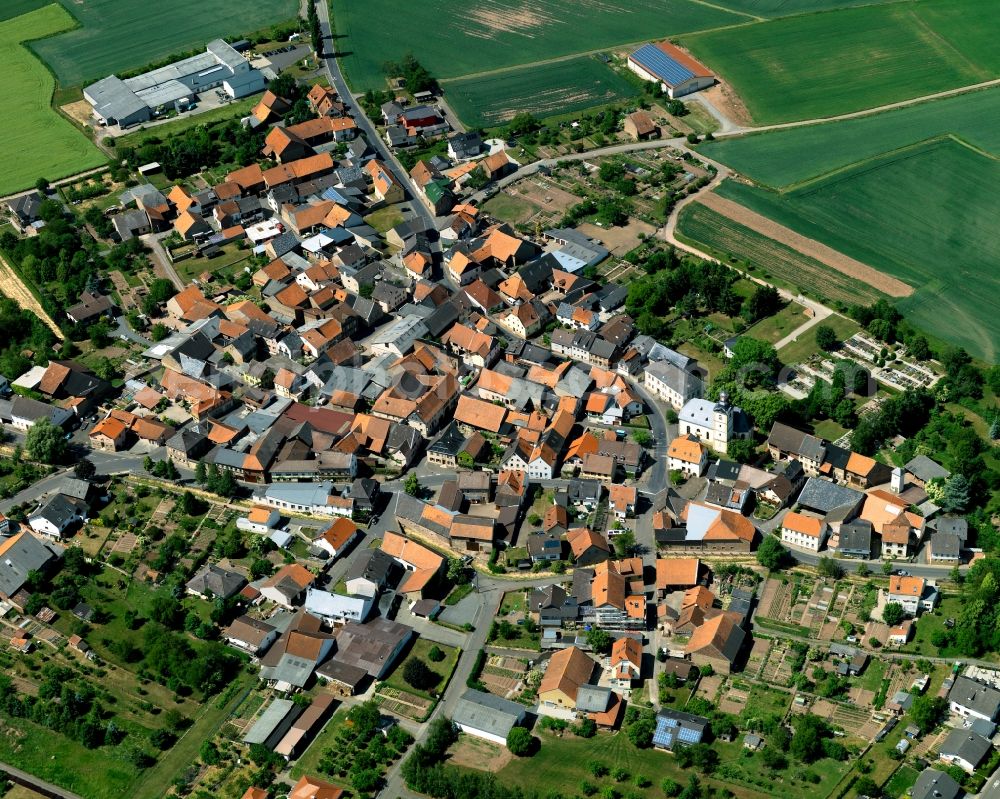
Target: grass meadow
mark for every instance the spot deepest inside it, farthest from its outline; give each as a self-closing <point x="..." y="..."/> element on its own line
<point x="39" y="142"/>
<point x="117" y="35"/>
<point x="819" y="65"/>
<point x="925" y="215"/>
<point x="561" y="87"/>
<point x="453" y="38"/>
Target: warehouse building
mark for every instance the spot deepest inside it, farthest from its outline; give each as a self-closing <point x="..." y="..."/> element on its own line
<point x="173" y="87"/>
<point x="676" y="72"/>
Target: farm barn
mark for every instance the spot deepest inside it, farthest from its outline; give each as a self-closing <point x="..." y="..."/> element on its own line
<point x="671" y="67"/>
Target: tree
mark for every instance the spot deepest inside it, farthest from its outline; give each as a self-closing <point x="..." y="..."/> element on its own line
<point x="828" y="567"/>
<point x="640" y="732"/>
<point x="625" y="543"/>
<point x="417" y="674"/>
<point x="764" y="302"/>
<point x="599" y="640"/>
<point x="893" y="613"/>
<point x="741" y="450"/>
<point x="435" y="655"/>
<point x="956" y="494"/>
<point x="412" y="485"/>
<point x="826" y="338"/>
<point x="865" y="786"/>
<point x="642" y="438"/>
<point x="85" y="469"/>
<point x="771" y="554"/>
<point x="226" y="485"/>
<point x="928" y="711"/>
<point x="807" y="739"/>
<point x="520" y="742"/>
<point x="200" y="473"/>
<point x="45" y="442"/>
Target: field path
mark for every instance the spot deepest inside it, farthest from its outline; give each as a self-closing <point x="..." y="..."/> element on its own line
<point x="12" y="286"/>
<point x="810" y="247"/>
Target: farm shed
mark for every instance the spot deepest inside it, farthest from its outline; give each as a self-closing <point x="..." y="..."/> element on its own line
<point x="676" y="71"/>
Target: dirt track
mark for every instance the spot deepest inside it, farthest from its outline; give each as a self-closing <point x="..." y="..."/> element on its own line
<point x="806" y="246"/>
<point x="11" y="286"/>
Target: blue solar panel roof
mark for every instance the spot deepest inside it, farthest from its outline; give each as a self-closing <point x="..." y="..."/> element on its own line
<point x="655" y="61"/>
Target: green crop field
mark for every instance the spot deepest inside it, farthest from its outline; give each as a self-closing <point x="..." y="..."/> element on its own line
<point x="820" y="65"/>
<point x="454" y="38"/>
<point x="117" y="35"/>
<point x="784" y="158"/>
<point x="926" y="215"/>
<point x="787" y="8"/>
<point x="39" y="142"/>
<point x="771" y="260"/>
<point x="544" y="90"/>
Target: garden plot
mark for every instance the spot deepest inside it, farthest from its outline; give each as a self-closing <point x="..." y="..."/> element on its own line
<point x="504" y="676"/>
<point x="734" y="700"/>
<point x="403" y="703"/>
<point x="758" y="656"/>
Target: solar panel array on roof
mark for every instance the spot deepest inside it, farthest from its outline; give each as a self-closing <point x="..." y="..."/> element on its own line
<point x="655" y="61"/>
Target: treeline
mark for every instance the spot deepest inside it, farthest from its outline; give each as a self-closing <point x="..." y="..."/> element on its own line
<point x="425" y="772"/>
<point x="415" y="76"/>
<point x="187" y="152"/>
<point x="62" y="254"/>
<point x="68" y="707"/>
<point x="685" y="286"/>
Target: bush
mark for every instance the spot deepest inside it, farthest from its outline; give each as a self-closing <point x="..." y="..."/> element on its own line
<point x="435" y="655"/>
<point x="520" y="742"/>
<point x="418" y="674"/>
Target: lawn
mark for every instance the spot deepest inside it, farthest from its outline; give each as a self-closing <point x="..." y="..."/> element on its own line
<point x="307" y="764"/>
<point x="901" y="782"/>
<point x="774" y="328"/>
<point x="384" y="218"/>
<point x="925" y="216"/>
<point x="39" y="142"/>
<point x="563" y="762"/>
<point x="930" y="623"/>
<point x="230" y="255"/>
<point x="451" y="38"/>
<point x="805" y="346"/>
<point x="119" y="35"/>
<point x="770" y="260"/>
<point x="213" y="714"/>
<point x="560" y="87"/>
<point x="784" y="158"/>
<point x="508" y="208"/>
<point x="820" y="65"/>
<point x="234" y="110"/>
<point x="64" y="762"/>
<point x="420" y="649"/>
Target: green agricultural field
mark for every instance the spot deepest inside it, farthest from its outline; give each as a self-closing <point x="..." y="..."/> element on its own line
<point x="118" y="35"/>
<point x="38" y="142"/>
<point x="787" y="8"/>
<point x="454" y="38"/>
<point x="820" y="65"/>
<point x="771" y="260"/>
<point x="14" y="8"/>
<point x="926" y="215"/>
<point x="561" y="87"/>
<point x="783" y="158"/>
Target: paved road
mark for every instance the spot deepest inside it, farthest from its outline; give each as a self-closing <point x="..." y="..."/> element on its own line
<point x="38" y="785"/>
<point x="124" y="329"/>
<point x="161" y="259"/>
<point x="376" y="142"/>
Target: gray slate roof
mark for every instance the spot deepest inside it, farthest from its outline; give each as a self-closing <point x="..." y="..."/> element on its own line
<point x="933" y="784"/>
<point x="487" y="712"/>
<point x="823" y="496"/>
